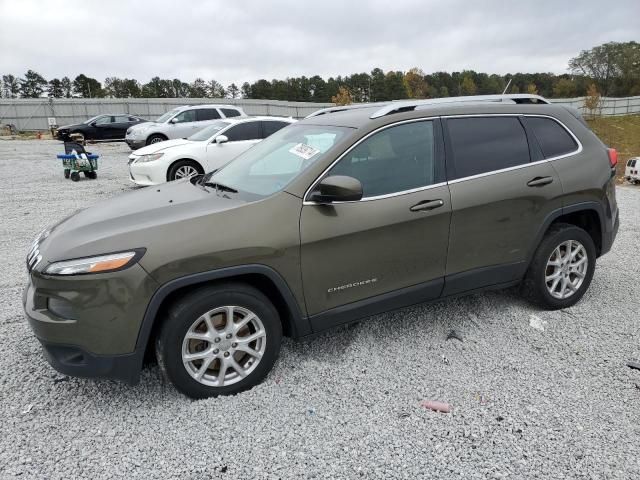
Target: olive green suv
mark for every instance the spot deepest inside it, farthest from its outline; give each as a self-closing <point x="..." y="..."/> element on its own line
<point x="348" y="213"/>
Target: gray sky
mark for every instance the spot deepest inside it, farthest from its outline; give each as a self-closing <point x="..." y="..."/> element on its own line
<point x="236" y="41"/>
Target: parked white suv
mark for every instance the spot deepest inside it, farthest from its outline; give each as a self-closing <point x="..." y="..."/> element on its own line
<point x="632" y="170"/>
<point x="209" y="149"/>
<point x="181" y="122"/>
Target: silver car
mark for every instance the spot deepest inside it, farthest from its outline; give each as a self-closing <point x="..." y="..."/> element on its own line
<point x="181" y="122"/>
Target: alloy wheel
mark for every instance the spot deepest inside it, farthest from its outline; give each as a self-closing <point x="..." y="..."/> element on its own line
<point x="566" y="269"/>
<point x="223" y="346"/>
<point x="185" y="171"/>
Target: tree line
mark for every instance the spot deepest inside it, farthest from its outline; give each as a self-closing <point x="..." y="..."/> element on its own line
<point x="612" y="69"/>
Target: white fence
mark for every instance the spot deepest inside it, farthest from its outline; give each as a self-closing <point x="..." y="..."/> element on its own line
<point x="32" y="114"/>
<point x="608" y="105"/>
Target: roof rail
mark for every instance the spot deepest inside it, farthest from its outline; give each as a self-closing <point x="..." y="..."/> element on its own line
<point x="340" y="108"/>
<point x="408" y="105"/>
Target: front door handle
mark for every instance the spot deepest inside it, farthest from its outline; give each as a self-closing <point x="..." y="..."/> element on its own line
<point x="427" y="205"/>
<point x="540" y="181"/>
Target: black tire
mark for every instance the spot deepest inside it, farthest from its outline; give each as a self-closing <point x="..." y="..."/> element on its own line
<point x="92" y="175"/>
<point x="78" y="133"/>
<point x="534" y="286"/>
<point x="182" y="314"/>
<point x="75" y="176"/>
<point x="156" y="138"/>
<point x="173" y="170"/>
<point x="67" y="173"/>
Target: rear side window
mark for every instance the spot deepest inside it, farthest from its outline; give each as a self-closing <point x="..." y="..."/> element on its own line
<point x="553" y="138"/>
<point x="230" y="112"/>
<point x="244" y="131"/>
<point x="272" y="127"/>
<point x="485" y="144"/>
<point x="207" y="114"/>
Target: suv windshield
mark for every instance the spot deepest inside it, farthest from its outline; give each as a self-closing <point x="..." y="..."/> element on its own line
<point x="270" y="165"/>
<point x="167" y="116"/>
<point x="207" y="133"/>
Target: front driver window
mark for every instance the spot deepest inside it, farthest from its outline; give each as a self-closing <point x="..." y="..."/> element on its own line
<point x="103" y="120"/>
<point x="393" y="160"/>
<point x="186" y="116"/>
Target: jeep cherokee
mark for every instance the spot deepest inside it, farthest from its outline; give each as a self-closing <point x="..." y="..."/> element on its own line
<point x="351" y="212"/>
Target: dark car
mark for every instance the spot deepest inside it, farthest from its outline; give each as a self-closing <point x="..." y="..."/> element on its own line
<point x="102" y="127"/>
<point x="351" y="212"/>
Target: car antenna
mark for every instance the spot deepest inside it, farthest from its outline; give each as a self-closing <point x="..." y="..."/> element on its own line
<point x="507" y="87"/>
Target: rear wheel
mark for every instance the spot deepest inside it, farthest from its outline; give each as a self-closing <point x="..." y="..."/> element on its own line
<point x="92" y="175"/>
<point x="67" y="172"/>
<point x="562" y="267"/>
<point x="219" y="340"/>
<point x="156" y="139"/>
<point x="184" y="169"/>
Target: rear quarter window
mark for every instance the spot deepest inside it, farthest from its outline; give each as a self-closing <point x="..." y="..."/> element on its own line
<point x="553" y="138"/>
<point x="230" y="112"/>
<point x="485" y="144"/>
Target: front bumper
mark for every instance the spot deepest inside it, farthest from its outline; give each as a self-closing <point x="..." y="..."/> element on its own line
<point x="135" y="144"/>
<point x="73" y="361"/>
<point x="147" y="173"/>
<point x="88" y="325"/>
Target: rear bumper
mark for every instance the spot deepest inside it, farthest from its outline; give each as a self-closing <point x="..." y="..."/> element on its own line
<point x="76" y="362"/>
<point x="609" y="235"/>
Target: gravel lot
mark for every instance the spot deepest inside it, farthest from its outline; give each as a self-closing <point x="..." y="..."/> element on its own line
<point x="556" y="401"/>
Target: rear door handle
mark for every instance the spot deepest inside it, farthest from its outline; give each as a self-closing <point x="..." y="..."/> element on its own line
<point x="427" y="205"/>
<point x="540" y="181"/>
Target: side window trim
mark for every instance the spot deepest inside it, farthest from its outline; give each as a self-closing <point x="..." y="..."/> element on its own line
<point x="439" y="158"/>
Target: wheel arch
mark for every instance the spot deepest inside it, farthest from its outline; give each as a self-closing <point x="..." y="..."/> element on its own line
<point x="588" y="215"/>
<point x="156" y="133"/>
<point x="261" y="277"/>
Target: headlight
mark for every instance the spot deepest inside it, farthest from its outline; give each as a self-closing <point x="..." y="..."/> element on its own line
<point x="98" y="264"/>
<point x="149" y="158"/>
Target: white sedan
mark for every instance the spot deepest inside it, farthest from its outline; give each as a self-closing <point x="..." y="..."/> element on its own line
<point x="209" y="149"/>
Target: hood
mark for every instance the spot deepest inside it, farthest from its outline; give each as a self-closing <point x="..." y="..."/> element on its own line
<point x="74" y="125"/>
<point x="144" y="125"/>
<point x="132" y="219"/>
<point x="161" y="146"/>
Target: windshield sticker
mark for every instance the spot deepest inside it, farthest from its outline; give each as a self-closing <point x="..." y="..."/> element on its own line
<point x="304" y="151"/>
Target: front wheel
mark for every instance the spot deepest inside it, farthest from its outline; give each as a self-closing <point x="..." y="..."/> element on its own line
<point x="184" y="169"/>
<point x="219" y="340"/>
<point x="562" y="268"/>
<point x="156" y="139"/>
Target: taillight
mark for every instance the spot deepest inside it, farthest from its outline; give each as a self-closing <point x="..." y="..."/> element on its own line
<point x="613" y="156"/>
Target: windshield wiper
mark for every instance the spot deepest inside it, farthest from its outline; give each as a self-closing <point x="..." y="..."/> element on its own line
<point x="219" y="187"/>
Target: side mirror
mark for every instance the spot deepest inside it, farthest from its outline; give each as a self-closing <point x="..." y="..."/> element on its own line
<point x="92" y="124"/>
<point x="337" y="188"/>
<point x="221" y="139"/>
<point x="173" y="120"/>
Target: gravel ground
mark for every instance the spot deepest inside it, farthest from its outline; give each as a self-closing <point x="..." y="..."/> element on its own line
<point x="535" y="394"/>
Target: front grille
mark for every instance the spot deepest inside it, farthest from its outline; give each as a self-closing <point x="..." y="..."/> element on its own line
<point x="34" y="257"/>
